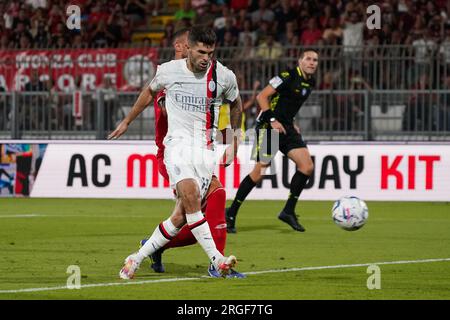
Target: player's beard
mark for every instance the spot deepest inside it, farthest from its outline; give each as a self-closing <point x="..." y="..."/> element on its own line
<point x="198" y="67"/>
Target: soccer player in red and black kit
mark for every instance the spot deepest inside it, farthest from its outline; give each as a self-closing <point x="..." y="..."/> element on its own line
<point x="280" y="101"/>
<point x="214" y="203"/>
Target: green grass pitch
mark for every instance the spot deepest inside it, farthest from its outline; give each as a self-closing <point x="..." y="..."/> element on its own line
<point x="40" y="238"/>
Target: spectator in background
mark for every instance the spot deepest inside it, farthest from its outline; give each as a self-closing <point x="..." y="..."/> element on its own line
<point x="294" y="50"/>
<point x="25" y="42"/>
<point x="18" y="33"/>
<point x="264" y="13"/>
<point x="221" y="21"/>
<point x="355" y="110"/>
<point x="241" y="17"/>
<point x="247" y="32"/>
<point x="444" y="49"/>
<point x="114" y="25"/>
<point x="22" y="18"/>
<point x="286" y="38"/>
<point x="78" y="42"/>
<point x="262" y="31"/>
<point x="332" y="35"/>
<point x="443" y="117"/>
<point x="35" y="84"/>
<point x="229" y="40"/>
<point x="136" y="11"/>
<point x="430" y="11"/>
<point x="124" y="37"/>
<point x="329" y="12"/>
<point x="387" y="14"/>
<point x="11" y="10"/>
<point x="55" y="17"/>
<point x="53" y="105"/>
<point x="41" y="36"/>
<point x="227" y="28"/>
<point x="352" y="40"/>
<point x="269" y="49"/>
<point x="332" y="113"/>
<point x="200" y="7"/>
<point x="312" y="35"/>
<point x="34" y="110"/>
<point x="3" y="30"/>
<point x="169" y="30"/>
<point x="284" y="14"/>
<point x="237" y="5"/>
<point x="37" y="4"/>
<point x="111" y="104"/>
<point x="101" y="37"/>
<point x="4" y="42"/>
<point x="58" y="33"/>
<point x="424" y="48"/>
<point x="419" y="110"/>
<point x="37" y="19"/>
<point x="354" y="6"/>
<point x="186" y="12"/>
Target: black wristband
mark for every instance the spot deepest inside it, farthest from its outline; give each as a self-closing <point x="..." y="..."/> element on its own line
<point x="267" y="115"/>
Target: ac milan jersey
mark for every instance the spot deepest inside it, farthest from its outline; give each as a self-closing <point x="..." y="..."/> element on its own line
<point x="193" y="100"/>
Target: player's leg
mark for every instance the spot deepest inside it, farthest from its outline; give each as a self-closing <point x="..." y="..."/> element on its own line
<point x="162" y="234"/>
<point x="245" y="187"/>
<point x="262" y="153"/>
<point x="305" y="167"/>
<point x="183" y="238"/>
<point x="189" y="193"/>
<point x="214" y="213"/>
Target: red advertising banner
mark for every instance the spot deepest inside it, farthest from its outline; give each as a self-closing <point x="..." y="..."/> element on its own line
<point x="84" y="69"/>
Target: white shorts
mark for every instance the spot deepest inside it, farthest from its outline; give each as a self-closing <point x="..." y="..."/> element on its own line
<point x="187" y="162"/>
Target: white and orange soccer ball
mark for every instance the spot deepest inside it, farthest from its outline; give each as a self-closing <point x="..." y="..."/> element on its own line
<point x="350" y="213"/>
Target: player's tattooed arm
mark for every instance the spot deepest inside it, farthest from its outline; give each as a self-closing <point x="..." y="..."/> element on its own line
<point x="145" y="98"/>
<point x="236" y="113"/>
<point x="235" y="121"/>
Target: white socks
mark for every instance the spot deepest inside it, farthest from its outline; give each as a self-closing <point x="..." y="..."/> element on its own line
<point x="163" y="233"/>
<point x="200" y="229"/>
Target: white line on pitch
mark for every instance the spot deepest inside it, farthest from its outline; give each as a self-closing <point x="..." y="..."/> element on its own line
<point x="21" y="216"/>
<point x="339" y="266"/>
<point x="70" y="216"/>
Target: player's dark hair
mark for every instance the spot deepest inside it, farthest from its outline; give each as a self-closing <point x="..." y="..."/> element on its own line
<point x="308" y="50"/>
<point x="202" y="34"/>
<point x="178" y="34"/>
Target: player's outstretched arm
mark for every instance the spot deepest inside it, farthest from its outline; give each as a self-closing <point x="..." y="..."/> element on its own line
<point x="235" y="122"/>
<point x="144" y="99"/>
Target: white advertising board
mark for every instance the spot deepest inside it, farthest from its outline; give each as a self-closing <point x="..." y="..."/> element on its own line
<point x="371" y="172"/>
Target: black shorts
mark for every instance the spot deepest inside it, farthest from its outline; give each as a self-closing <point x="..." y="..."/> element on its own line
<point x="269" y="141"/>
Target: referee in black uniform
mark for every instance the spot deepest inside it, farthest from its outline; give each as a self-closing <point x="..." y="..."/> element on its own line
<point x="280" y="101"/>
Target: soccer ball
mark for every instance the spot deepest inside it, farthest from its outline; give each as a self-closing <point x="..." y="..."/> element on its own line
<point x="350" y="213"/>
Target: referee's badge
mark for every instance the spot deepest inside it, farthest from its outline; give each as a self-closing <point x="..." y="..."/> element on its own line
<point x="211" y="85"/>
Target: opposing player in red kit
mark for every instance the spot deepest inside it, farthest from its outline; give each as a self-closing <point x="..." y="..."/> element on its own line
<point x="214" y="202"/>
